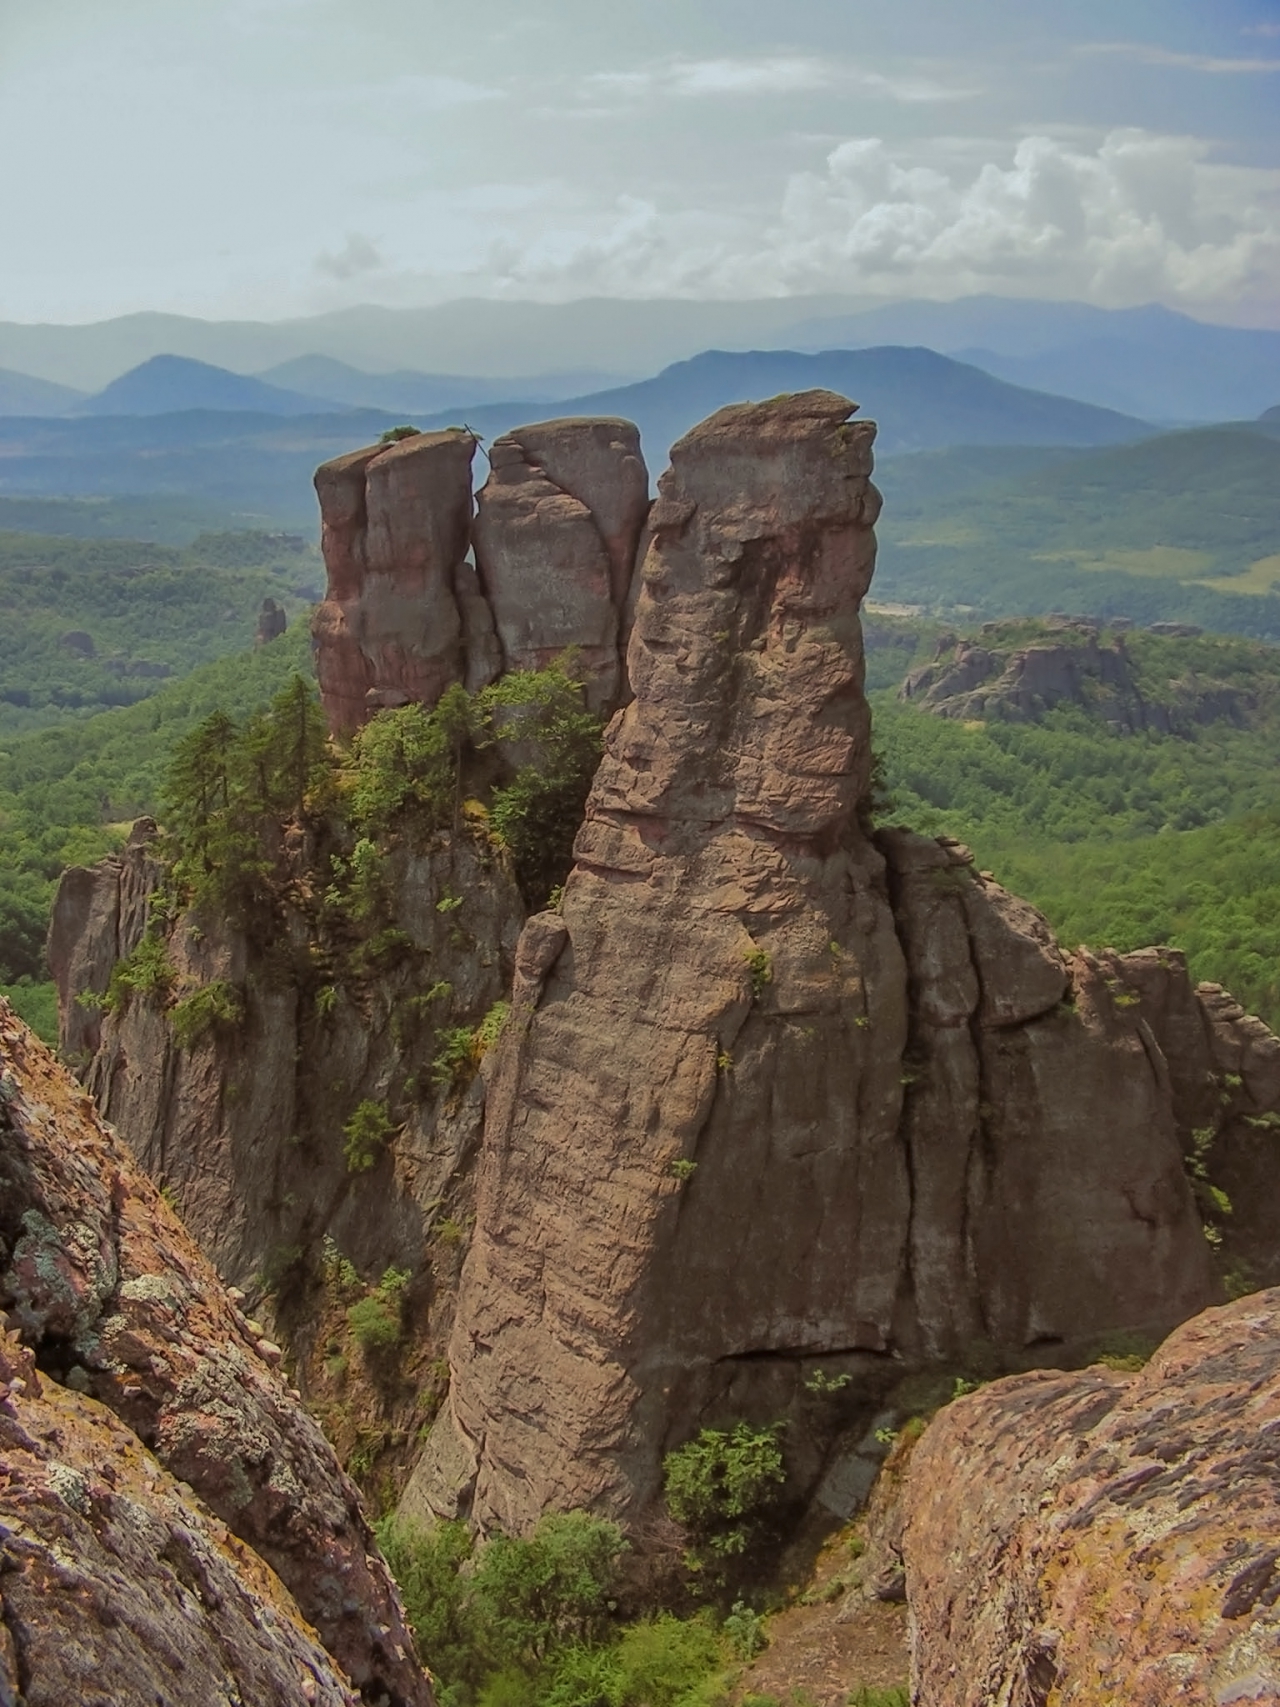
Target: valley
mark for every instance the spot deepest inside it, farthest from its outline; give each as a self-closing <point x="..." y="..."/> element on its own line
<point x="394" y="1022"/>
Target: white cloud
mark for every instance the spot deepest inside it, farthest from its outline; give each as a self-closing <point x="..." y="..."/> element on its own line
<point x="776" y="75"/>
<point x="1163" y="56"/>
<point x="1137" y="217"/>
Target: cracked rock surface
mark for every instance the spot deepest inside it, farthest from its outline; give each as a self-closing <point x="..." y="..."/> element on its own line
<point x="130" y="1326"/>
<point x="776" y="1093"/>
<point x="1096" y="1537"/>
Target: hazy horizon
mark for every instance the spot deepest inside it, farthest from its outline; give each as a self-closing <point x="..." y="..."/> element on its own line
<point x="275" y="159"/>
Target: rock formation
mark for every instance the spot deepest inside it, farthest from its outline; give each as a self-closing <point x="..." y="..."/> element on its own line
<point x="776" y="1096"/>
<point x="157" y="1429"/>
<point x="244" y="1123"/>
<point x="556" y="534"/>
<point x="272" y="622"/>
<point x="1007" y="676"/>
<point x="1100" y="1536"/>
<point x="557" y="526"/>
<point x="396" y="522"/>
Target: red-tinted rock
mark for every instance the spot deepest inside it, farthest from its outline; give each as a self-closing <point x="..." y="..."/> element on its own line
<point x="396" y="525"/>
<point x="1100" y="1537"/>
<point x="557" y="526"/>
<point x="99" y="1278"/>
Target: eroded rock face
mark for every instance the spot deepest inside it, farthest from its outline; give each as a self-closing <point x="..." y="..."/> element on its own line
<point x="557" y="525"/>
<point x="1002" y="676"/>
<point x="406" y="614"/>
<point x="775" y="1094"/>
<point x="1097" y="1536"/>
<point x="396" y="523"/>
<point x="118" y="1585"/>
<point x="117" y="1303"/>
<point x="244" y="1123"/>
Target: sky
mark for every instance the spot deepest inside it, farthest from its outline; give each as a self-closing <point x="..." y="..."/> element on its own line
<point x="273" y="158"/>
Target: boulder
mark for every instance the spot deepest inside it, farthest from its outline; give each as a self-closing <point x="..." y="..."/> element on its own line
<point x="1102" y="1536"/>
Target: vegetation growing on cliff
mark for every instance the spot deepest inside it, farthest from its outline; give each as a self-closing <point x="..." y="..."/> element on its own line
<point x="534" y="1623"/>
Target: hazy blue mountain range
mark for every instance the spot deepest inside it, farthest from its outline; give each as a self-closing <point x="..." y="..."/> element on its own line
<point x="1146" y="361"/>
<point x="260" y="464"/>
<point x="166" y="385"/>
<point x="920" y="399"/>
<point x="321" y="377"/>
<point x="22" y="394"/>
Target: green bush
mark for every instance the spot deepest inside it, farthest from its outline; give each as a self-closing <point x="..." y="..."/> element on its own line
<point x="216" y="1006"/>
<point x="376" y="1322"/>
<point x="366" y="1135"/>
<point x="553" y="1587"/>
<point x="720" y="1484"/>
<point x="147" y="972"/>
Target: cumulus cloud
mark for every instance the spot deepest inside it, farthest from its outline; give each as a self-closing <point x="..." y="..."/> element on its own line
<point x="1134" y="218"/>
<point x="356" y="257"/>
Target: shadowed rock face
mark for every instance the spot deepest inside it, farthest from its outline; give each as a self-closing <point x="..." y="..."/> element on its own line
<point x="1098" y="1536"/>
<point x="902" y="1141"/>
<point x="119" y="1307"/>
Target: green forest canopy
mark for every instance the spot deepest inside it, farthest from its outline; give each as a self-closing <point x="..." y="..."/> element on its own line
<point x="93" y="623"/>
<point x="1121" y="839"/>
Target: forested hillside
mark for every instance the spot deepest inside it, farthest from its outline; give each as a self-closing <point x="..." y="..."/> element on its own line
<point x="95" y="623"/>
<point x="1184" y="527"/>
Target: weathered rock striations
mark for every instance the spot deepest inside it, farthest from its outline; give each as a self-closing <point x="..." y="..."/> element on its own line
<point x="558" y="524"/>
<point x="1097" y="1537"/>
<point x="117" y="1585"/>
<point x="244" y="1122"/>
<point x="396" y="526"/>
<point x="122" y="1311"/>
<point x="905" y="1137"/>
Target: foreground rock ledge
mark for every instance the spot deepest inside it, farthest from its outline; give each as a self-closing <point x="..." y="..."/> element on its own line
<point x="146" y="1363"/>
<point x="1089" y="1538"/>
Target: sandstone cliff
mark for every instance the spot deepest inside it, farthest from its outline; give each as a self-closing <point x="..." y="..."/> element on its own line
<point x="555" y="537"/>
<point x="777" y="1096"/>
<point x="780" y="1101"/>
<point x="170" y="1514"/>
<point x="1103" y="1537"/>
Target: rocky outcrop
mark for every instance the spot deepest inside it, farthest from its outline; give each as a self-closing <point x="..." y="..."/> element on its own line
<point x="775" y="1096"/>
<point x="243" y="1122"/>
<point x="396" y="523"/>
<point x="117" y="1584"/>
<point x="1009" y="675"/>
<point x="144" y="1361"/>
<point x="558" y="524"/>
<point x="1101" y="1536"/>
<point x="272" y="622"/>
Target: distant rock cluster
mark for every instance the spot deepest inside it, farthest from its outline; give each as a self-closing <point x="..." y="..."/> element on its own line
<point x="422" y="594"/>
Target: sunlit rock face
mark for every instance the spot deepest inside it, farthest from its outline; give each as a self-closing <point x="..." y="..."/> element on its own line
<point x="775" y="1091"/>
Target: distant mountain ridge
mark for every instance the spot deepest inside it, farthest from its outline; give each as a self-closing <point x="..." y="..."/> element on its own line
<point x="23" y="394"/>
<point x="921" y="400"/>
<point x="1149" y="361"/>
<point x="167" y="385"/>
